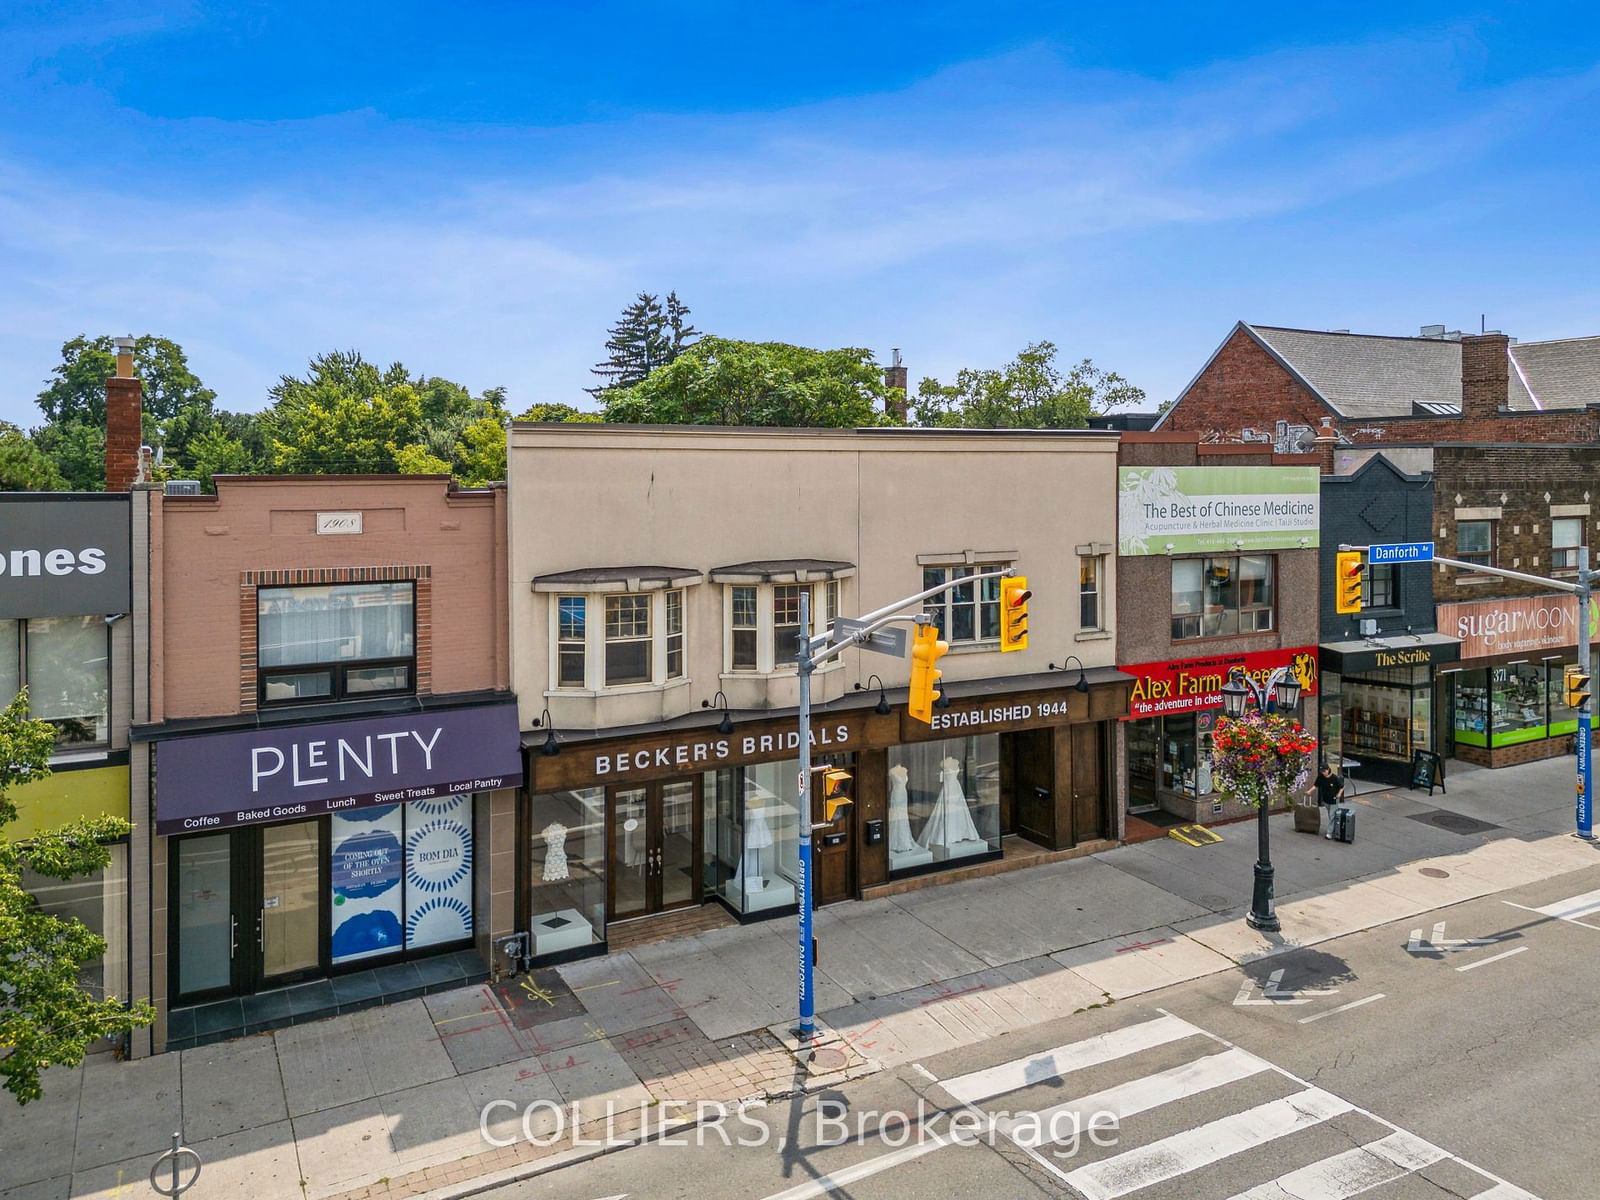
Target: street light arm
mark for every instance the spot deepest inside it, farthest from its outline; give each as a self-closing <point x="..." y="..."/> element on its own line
<point x="823" y="648"/>
<point x="1484" y="569"/>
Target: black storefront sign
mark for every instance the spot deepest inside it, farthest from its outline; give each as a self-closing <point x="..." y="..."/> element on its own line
<point x="1351" y="658"/>
<point x="1427" y="771"/>
<point x="258" y="776"/>
<point x="64" y="556"/>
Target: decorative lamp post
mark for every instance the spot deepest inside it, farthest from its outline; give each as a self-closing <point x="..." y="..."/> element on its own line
<point x="1257" y="755"/>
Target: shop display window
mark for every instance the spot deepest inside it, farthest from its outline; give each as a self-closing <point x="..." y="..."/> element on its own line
<point x="944" y="801"/>
<point x="1144" y="752"/>
<point x="1386" y="713"/>
<point x="400" y="878"/>
<point x="752" y="840"/>
<point x="1563" y="717"/>
<point x="567" y="869"/>
<point x="1518" y="698"/>
<point x="1471" y="707"/>
<point x="100" y="903"/>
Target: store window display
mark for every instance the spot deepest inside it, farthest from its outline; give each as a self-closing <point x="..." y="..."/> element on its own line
<point x="567" y="869"/>
<point x="753" y="846"/>
<point x="944" y="802"/>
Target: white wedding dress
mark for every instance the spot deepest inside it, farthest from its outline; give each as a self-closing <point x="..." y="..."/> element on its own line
<point x="555" y="854"/>
<point x="951" y="820"/>
<point x="900" y="839"/>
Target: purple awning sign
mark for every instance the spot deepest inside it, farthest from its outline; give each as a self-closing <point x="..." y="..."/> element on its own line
<point x="257" y="776"/>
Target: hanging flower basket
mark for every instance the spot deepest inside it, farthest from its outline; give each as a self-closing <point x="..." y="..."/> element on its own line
<point x="1257" y="758"/>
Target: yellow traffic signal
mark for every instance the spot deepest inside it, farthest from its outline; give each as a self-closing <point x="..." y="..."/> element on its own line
<point x="1577" y="688"/>
<point x="1347" y="581"/>
<point x="926" y="651"/>
<point x="835" y="792"/>
<point x="1014" y="596"/>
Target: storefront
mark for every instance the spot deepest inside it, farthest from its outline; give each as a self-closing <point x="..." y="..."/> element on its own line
<point x="65" y="589"/>
<point x="313" y="850"/>
<point x="621" y="826"/>
<point x="1171" y="717"/>
<point x="1378" y="702"/>
<point x="1505" y="702"/>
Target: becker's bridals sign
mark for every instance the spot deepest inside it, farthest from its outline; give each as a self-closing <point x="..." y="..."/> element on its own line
<point x="259" y="775"/>
<point x="1191" y="510"/>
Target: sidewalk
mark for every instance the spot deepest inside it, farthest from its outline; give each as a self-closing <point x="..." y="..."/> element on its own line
<point x="386" y="1102"/>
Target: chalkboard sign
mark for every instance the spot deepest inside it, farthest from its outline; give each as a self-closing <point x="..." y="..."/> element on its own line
<point x="1427" y="771"/>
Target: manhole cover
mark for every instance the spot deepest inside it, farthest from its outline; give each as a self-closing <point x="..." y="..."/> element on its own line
<point x="828" y="1059"/>
<point x="1454" y="822"/>
<point x="1215" y="902"/>
<point x="1434" y="873"/>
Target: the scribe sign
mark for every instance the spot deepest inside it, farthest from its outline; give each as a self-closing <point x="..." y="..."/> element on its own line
<point x="257" y="776"/>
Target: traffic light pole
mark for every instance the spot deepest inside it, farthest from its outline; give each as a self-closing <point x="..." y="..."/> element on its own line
<point x="1583" y="589"/>
<point x="812" y="652"/>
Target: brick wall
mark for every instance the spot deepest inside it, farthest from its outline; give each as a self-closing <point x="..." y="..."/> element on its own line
<point x="124" y="433"/>
<point x="1244" y="386"/>
<point x="1524" y="483"/>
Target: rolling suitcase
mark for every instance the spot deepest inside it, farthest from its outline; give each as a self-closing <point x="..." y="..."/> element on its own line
<point x="1342" y="823"/>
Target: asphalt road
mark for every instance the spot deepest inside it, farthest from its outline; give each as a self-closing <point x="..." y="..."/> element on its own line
<point x="1419" y="1074"/>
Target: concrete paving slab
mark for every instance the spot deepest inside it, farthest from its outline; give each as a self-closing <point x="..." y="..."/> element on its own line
<point x="521" y="1090"/>
<point x="475" y="1031"/>
<point x="36" y="1140"/>
<point x="619" y="993"/>
<point x="260" y="1163"/>
<point x="1141" y="962"/>
<point x="401" y="1046"/>
<point x="115" y="1181"/>
<point x="230" y="1086"/>
<point x="340" y="1146"/>
<point x="1235" y="940"/>
<point x="719" y="1002"/>
<point x="888" y="950"/>
<point x="59" y="1188"/>
<point x="595" y="1078"/>
<point x="322" y="1066"/>
<point x="128" y="1108"/>
<point x="433" y="1122"/>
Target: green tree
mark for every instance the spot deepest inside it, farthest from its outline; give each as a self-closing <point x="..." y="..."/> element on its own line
<point x="77" y="389"/>
<point x="78" y="450"/>
<point x="718" y="381"/>
<point x="1029" y="392"/>
<point x="649" y="334"/>
<point x="345" y="417"/>
<point x="47" y="1019"/>
<point x="557" y="412"/>
<point x="23" y="466"/>
<point x="216" y="452"/>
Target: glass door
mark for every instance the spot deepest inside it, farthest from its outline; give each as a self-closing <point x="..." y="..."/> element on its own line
<point x="290" y="930"/>
<point x="205" y="927"/>
<point x="655" y="847"/>
<point x="632" y="852"/>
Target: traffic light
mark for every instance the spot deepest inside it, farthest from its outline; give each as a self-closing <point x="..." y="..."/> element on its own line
<point x="1577" y="688"/>
<point x="1348" y="570"/>
<point x="926" y="651"/>
<point x="835" y="792"/>
<point x="1014" y="596"/>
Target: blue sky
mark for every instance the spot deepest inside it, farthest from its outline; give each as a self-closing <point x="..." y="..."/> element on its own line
<point x="477" y="189"/>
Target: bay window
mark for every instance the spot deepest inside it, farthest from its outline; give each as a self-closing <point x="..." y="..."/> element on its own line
<point x="636" y="639"/>
<point x="764" y="623"/>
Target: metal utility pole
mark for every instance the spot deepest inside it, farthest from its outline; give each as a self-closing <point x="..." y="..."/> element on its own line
<point x="814" y="650"/>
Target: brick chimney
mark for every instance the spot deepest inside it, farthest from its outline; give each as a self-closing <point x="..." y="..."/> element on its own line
<point x="124" y="424"/>
<point x="1485" y="374"/>
<point x="1323" y="445"/>
<point x="894" y="376"/>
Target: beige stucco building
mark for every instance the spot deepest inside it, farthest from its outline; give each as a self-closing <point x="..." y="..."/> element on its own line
<point x="655" y="576"/>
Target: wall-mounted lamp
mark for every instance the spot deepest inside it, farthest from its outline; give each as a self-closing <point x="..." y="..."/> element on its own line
<point x="552" y="744"/>
<point x="1083" y="684"/>
<point x="720" y="701"/>
<point x="882" y="706"/>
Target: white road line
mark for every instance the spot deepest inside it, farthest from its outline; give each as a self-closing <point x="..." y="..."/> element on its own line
<point x="1137" y="1096"/>
<point x="824" y="1184"/>
<point x="1075" y="1056"/>
<point x="1505" y="1191"/>
<point x="1195" y="1148"/>
<point x="1572" y="906"/>
<point x="1342" y="1176"/>
<point x="1484" y="962"/>
<point x="1542" y="913"/>
<point x="1342" y="1008"/>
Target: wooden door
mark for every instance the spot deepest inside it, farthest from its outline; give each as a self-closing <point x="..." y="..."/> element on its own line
<point x="832" y="851"/>
<point x="1033" y="784"/>
<point x="1088" y="781"/>
<point x="655" y="847"/>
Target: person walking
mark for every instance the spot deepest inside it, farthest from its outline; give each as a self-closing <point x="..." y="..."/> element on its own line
<point x="1329" y="787"/>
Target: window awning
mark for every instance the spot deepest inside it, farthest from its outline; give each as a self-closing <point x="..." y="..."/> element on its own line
<point x="617" y="579"/>
<point x="783" y="570"/>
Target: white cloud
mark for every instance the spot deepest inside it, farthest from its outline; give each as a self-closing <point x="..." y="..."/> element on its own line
<point x="828" y="224"/>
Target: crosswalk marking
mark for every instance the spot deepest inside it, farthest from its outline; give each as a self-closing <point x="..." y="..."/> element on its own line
<point x="1194" y="1148"/>
<point x="1140" y="1095"/>
<point x="1504" y="1191"/>
<point x="1052" y="1064"/>
<point x="1352" y="1172"/>
<point x="1573" y="908"/>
